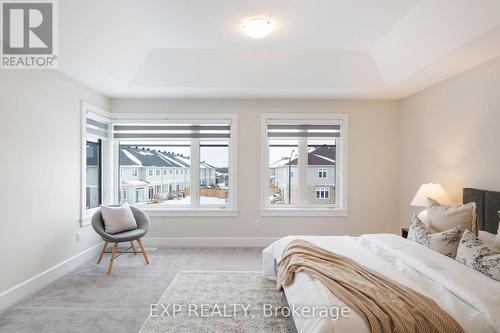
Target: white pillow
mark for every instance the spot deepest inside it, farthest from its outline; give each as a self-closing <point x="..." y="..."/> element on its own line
<point x="443" y="217"/>
<point x="445" y="242"/>
<point x="488" y="238"/>
<point x="476" y="254"/>
<point x="422" y="216"/>
<point x="118" y="219"/>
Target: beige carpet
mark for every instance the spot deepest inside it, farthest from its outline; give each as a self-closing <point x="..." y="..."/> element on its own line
<point x="219" y="302"/>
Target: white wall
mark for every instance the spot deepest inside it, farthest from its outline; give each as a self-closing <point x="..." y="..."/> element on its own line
<point x="450" y="134"/>
<point x="40" y="172"/>
<point x="373" y="169"/>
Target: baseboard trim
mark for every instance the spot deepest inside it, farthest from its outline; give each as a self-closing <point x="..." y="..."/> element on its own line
<point x="28" y="287"/>
<point x="209" y="242"/>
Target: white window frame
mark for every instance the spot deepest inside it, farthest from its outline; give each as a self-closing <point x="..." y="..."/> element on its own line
<point x="324" y="190"/>
<point x="321" y="171"/>
<point x="195" y="209"/>
<point x="341" y="185"/>
<point x="94" y="112"/>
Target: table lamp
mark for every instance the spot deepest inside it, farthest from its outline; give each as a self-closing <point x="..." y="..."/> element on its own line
<point x="430" y="190"/>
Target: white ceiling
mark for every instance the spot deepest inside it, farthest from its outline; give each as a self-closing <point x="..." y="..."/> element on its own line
<point x="320" y="48"/>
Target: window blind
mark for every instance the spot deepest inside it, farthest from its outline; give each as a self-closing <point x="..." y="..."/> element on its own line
<point x="97" y="128"/>
<point x="215" y="131"/>
<point x="302" y="130"/>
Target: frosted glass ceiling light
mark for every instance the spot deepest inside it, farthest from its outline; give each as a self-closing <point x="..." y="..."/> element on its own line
<point x="258" y="27"/>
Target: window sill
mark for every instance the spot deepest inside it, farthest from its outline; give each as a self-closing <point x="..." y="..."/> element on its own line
<point x="187" y="212"/>
<point x="86" y="220"/>
<point x="303" y="212"/>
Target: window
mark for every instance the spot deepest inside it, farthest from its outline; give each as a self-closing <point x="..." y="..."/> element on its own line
<point x="197" y="156"/>
<point x="134" y="173"/>
<point x="283" y="186"/>
<point x="305" y="164"/>
<point x="93" y="197"/>
<point x="322" y="192"/>
<point x="160" y="154"/>
<point x="322" y="173"/>
<point x="95" y="149"/>
<point x="139" y="195"/>
<point x="214" y="167"/>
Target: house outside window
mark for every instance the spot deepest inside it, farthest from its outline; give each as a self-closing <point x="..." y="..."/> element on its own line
<point x="177" y="149"/>
<point x="306" y="168"/>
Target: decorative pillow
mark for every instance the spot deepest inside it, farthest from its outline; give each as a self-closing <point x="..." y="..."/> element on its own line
<point x="476" y="254"/>
<point x="445" y="242"/>
<point x="488" y="238"/>
<point x="443" y="217"/>
<point x="422" y="216"/>
<point x="118" y="219"/>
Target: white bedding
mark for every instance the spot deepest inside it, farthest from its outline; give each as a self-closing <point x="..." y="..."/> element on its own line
<point x="470" y="297"/>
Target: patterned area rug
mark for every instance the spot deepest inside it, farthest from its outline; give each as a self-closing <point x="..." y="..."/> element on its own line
<point x="219" y="302"/>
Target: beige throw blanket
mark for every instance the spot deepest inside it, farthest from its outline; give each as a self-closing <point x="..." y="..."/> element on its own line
<point x="385" y="305"/>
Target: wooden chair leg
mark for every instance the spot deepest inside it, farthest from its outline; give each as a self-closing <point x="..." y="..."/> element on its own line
<point x="113" y="253"/>
<point x="133" y="247"/>
<point x="143" y="251"/>
<point x="102" y="251"/>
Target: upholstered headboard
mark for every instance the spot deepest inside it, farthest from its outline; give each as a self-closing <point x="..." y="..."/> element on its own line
<point x="487" y="207"/>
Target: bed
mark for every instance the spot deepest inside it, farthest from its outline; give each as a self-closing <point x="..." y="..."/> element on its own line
<point x="470" y="297"/>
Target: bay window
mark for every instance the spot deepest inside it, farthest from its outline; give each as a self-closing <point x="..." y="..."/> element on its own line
<point x="305" y="159"/>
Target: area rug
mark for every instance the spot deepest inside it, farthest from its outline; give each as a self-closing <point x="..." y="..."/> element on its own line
<point x="220" y="302"/>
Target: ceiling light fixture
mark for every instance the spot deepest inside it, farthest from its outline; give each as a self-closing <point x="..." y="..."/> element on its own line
<point x="258" y="27"/>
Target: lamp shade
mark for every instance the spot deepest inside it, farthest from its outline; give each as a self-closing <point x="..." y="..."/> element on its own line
<point x="433" y="191"/>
